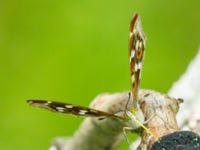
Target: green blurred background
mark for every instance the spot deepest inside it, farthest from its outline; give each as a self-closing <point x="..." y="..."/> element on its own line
<point x="71" y="51"/>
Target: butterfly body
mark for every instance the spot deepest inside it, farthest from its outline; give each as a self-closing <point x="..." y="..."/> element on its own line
<point x="132" y="119"/>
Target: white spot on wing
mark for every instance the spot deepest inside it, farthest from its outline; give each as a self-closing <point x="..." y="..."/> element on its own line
<point x="135" y="31"/>
<point x="132" y="54"/>
<point x="133" y="78"/>
<point x="137" y="46"/>
<point x="140" y="65"/>
<point x="68" y="106"/>
<point x="47" y="103"/>
<point x="136" y="67"/>
<point x="141" y="43"/>
<point x="82" y="112"/>
<point x="131" y="33"/>
<point x="60" y="109"/>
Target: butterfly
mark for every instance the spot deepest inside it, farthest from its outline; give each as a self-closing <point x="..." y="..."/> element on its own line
<point x="133" y="117"/>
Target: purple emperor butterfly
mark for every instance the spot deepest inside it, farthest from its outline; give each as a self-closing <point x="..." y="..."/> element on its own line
<point x="132" y="117"/>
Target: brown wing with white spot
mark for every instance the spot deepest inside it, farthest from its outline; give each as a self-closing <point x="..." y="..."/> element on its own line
<point x="70" y="109"/>
<point x="136" y="53"/>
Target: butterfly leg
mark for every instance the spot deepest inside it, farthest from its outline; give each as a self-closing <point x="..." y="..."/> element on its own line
<point x="126" y="106"/>
<point x="129" y="97"/>
<point x="125" y="129"/>
<point x="120" y="111"/>
<point x="139" y="123"/>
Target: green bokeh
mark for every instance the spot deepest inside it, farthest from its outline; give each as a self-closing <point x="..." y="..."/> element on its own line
<point x="73" y="50"/>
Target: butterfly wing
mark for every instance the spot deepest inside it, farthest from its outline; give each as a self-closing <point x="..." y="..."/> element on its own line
<point x="136" y="53"/>
<point x="70" y="109"/>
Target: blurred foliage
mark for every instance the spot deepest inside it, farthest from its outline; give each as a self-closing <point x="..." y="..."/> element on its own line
<point x="73" y="50"/>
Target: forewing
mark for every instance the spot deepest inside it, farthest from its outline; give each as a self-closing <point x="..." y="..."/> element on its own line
<point x="70" y="109"/>
<point x="136" y="53"/>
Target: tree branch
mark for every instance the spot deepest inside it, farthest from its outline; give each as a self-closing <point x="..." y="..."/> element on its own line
<point x="159" y="109"/>
<point x="97" y="134"/>
<point x="188" y="88"/>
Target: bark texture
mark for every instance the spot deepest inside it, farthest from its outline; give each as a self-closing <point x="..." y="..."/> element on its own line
<point x="159" y="110"/>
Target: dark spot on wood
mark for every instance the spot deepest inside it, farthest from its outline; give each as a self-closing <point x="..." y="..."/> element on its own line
<point x="180" y="100"/>
<point x="146" y="95"/>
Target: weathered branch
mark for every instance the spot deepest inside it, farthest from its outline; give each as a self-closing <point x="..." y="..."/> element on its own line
<point x="188" y="87"/>
<point x="158" y="108"/>
<point x="97" y="134"/>
<point x="161" y="111"/>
